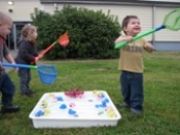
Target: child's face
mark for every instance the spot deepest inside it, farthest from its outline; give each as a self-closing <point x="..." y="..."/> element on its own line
<point x="33" y="34"/>
<point x="133" y="27"/>
<point x="5" y="29"/>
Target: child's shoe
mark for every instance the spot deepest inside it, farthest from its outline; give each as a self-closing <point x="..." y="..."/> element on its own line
<point x="10" y="109"/>
<point x="28" y="93"/>
<point x="123" y="105"/>
<point x="136" y="112"/>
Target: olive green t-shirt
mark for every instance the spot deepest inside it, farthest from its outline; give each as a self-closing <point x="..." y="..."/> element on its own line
<point x="131" y="57"/>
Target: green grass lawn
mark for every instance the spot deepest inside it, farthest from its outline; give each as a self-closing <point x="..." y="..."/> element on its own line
<point x="161" y="105"/>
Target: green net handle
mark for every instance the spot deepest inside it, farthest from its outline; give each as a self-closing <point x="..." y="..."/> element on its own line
<point x="171" y="21"/>
<point x="124" y="43"/>
<point x="19" y="65"/>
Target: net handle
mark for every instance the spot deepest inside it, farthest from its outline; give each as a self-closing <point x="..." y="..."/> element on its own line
<point x="124" y="43"/>
<point x="19" y="65"/>
<point x="143" y="34"/>
<point x="63" y="41"/>
<point x="31" y="67"/>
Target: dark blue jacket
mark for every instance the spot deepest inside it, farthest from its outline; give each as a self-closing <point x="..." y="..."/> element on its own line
<point x="26" y="52"/>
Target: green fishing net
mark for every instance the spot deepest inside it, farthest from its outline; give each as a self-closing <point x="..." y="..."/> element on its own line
<point x="172" y="20"/>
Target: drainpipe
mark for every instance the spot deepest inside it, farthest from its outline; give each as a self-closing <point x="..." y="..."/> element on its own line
<point x="153" y="23"/>
<point x="14" y="36"/>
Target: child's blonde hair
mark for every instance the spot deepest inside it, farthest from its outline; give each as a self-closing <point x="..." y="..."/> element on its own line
<point x="26" y="32"/>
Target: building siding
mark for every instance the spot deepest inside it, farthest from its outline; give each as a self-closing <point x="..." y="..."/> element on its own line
<point x="22" y="9"/>
<point x="151" y="15"/>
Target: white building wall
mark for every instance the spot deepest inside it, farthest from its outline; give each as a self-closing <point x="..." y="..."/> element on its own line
<point x="164" y="35"/>
<point x="23" y="8"/>
<point x="144" y="13"/>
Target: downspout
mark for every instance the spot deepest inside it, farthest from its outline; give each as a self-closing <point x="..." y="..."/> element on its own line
<point x="153" y="23"/>
<point x="14" y="36"/>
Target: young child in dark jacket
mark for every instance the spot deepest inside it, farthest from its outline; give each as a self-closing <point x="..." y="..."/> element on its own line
<point x="7" y="88"/>
<point x="27" y="54"/>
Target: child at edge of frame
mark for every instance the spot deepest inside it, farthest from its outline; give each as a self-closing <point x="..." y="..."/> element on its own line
<point x="27" y="54"/>
<point x="131" y="65"/>
<point x="7" y="88"/>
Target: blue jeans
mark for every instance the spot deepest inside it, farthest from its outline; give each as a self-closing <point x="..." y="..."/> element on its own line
<point x="7" y="89"/>
<point x="132" y="89"/>
<point x="25" y="78"/>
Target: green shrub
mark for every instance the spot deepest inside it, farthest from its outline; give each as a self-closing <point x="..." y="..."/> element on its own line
<point x="92" y="34"/>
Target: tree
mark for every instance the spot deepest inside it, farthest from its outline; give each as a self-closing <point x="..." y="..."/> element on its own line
<point x="92" y="34"/>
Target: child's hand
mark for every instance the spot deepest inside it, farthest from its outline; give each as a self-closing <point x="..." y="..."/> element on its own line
<point x="36" y="59"/>
<point x="149" y="47"/>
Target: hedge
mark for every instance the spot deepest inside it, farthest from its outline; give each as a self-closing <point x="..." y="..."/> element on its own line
<point x="92" y="33"/>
